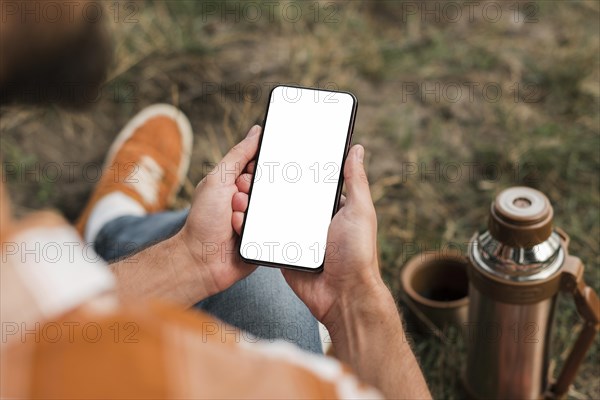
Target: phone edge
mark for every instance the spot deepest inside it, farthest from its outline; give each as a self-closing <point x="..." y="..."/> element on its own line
<point x="349" y="136"/>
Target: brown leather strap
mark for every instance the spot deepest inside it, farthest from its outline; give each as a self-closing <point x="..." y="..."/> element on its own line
<point x="588" y="307"/>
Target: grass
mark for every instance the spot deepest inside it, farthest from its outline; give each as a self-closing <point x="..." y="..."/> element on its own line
<point x="541" y="131"/>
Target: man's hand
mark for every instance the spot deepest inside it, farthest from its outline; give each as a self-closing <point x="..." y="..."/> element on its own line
<point x="202" y="258"/>
<point x="351" y="272"/>
<point x="208" y="234"/>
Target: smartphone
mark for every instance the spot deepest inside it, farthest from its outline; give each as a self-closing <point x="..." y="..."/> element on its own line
<point x="298" y="179"/>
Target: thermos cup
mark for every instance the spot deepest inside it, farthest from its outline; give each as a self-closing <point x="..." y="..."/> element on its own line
<point x="435" y="288"/>
<point x="516" y="270"/>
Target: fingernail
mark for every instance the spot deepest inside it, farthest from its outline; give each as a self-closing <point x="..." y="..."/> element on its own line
<point x="253" y="131"/>
<point x="360" y="153"/>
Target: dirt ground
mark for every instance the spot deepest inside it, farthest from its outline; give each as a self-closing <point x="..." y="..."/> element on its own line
<point x="455" y="104"/>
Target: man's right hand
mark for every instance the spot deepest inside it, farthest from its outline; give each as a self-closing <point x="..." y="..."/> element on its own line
<point x="351" y="273"/>
<point x="350" y="298"/>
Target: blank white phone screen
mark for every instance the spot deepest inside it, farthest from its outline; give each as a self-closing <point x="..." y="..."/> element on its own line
<point x="297" y="176"/>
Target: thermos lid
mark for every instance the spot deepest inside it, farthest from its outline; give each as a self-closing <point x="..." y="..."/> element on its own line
<point x="521" y="217"/>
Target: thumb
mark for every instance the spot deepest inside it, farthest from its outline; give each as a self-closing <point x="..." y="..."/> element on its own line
<point x="238" y="157"/>
<point x="245" y="150"/>
<point x="355" y="178"/>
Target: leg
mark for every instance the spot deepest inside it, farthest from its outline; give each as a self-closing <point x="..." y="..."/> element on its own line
<point x="261" y="304"/>
<point x="127" y="235"/>
<point x="264" y="305"/>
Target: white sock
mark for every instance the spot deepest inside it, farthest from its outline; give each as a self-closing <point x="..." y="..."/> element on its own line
<point x="112" y="206"/>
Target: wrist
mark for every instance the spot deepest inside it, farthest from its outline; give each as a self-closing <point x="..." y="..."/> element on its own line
<point x="183" y="244"/>
<point x="367" y="335"/>
<point x="364" y="325"/>
<point x="165" y="270"/>
<point x="193" y="277"/>
<point x="363" y="307"/>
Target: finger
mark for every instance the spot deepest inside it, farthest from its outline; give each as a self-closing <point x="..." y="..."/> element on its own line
<point x="237" y="219"/>
<point x="243" y="183"/>
<point x="355" y="178"/>
<point x="239" y="202"/>
<point x="251" y="167"/>
<point x="238" y="157"/>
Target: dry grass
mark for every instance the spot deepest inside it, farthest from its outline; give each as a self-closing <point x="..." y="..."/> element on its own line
<point x="546" y="137"/>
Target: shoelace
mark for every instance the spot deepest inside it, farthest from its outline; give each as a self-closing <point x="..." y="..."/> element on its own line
<point x="146" y="179"/>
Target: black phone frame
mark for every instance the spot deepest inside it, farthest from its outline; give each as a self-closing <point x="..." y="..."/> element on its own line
<point x="339" y="187"/>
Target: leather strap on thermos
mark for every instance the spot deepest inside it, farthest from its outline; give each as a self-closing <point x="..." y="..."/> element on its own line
<point x="588" y="307"/>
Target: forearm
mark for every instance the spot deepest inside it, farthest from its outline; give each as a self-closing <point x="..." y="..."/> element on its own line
<point x="164" y="271"/>
<point x="368" y="336"/>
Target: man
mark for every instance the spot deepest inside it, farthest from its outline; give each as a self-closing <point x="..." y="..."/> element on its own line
<point x="75" y="329"/>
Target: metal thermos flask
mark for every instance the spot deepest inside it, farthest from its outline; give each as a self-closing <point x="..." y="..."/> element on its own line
<point x="516" y="270"/>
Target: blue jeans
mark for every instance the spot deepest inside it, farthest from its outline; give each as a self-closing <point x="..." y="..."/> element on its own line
<point x="262" y="304"/>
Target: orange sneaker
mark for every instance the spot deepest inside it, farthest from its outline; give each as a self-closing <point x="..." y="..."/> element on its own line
<point x="144" y="169"/>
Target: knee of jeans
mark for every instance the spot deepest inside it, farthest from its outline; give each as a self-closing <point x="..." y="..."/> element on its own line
<point x="111" y="247"/>
<point x="270" y="290"/>
<point x="270" y="284"/>
<point x="264" y="305"/>
<point x="277" y="312"/>
<point x="263" y="297"/>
